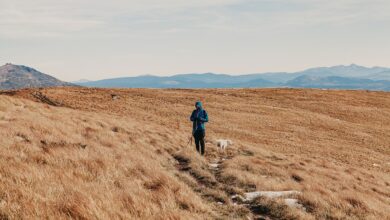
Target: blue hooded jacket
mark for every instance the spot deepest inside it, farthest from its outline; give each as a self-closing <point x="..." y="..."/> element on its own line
<point x="199" y="117"/>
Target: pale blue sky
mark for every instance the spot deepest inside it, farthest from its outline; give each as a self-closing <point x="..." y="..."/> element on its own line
<point x="74" y="39"/>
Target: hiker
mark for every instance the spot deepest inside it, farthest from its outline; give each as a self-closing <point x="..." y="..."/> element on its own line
<point x="199" y="117"/>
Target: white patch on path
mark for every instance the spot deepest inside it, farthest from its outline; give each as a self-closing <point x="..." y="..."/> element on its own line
<point x="293" y="203"/>
<point x="214" y="165"/>
<point x="269" y="194"/>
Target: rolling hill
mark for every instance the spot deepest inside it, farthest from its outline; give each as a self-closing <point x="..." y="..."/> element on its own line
<point x="385" y="75"/>
<point x="80" y="153"/>
<point x="18" y="76"/>
<point x="206" y="80"/>
<point x="336" y="82"/>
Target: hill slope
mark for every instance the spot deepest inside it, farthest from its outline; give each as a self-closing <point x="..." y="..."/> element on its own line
<point x="17" y="76"/>
<point x="98" y="157"/>
<point x="206" y="80"/>
<point x="334" y="82"/>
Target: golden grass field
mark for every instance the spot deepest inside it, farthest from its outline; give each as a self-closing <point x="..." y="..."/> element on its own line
<point x="86" y="155"/>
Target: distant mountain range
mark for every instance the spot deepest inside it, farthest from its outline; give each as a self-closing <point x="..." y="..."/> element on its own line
<point x="336" y="77"/>
<point x="81" y="81"/>
<point x="17" y="77"/>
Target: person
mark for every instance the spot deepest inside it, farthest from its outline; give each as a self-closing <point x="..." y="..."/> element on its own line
<point x="199" y="117"/>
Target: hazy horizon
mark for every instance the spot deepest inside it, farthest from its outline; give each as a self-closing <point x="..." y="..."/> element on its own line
<point x="217" y="73"/>
<point x="93" y="40"/>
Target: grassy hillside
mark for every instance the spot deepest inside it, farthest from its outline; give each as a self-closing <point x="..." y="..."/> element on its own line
<point x="99" y="153"/>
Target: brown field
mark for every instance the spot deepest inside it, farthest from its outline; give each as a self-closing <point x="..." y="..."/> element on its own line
<point x="78" y="153"/>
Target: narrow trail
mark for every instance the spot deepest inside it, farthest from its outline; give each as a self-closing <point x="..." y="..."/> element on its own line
<point x="216" y="188"/>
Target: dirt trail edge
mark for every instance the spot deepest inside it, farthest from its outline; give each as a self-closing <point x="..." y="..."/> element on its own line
<point x="214" y="187"/>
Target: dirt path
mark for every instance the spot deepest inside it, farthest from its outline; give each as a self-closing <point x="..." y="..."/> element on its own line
<point x="214" y="187"/>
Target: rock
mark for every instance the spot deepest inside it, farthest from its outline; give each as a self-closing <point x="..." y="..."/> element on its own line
<point x="249" y="197"/>
<point x="238" y="199"/>
<point x="269" y="194"/>
<point x="214" y="165"/>
<point x="114" y="96"/>
<point x="19" y="139"/>
<point x="293" y="203"/>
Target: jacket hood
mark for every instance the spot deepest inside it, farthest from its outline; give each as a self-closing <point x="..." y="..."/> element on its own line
<point x="198" y="103"/>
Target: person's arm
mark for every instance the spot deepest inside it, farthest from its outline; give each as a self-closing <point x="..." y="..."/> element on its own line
<point x="192" y="118"/>
<point x="205" y="117"/>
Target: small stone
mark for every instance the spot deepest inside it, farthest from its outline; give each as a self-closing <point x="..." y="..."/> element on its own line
<point x="214" y="165"/>
<point x="268" y="194"/>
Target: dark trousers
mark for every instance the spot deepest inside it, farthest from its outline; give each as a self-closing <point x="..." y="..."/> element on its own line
<point x="199" y="141"/>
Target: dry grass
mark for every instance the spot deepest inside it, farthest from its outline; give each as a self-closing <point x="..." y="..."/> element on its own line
<point x="96" y="157"/>
<point x="62" y="163"/>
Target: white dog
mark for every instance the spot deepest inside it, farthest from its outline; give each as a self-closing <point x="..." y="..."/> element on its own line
<point x="223" y="144"/>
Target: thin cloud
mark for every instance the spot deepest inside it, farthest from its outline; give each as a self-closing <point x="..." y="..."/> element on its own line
<point x="126" y="36"/>
<point x="30" y="18"/>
